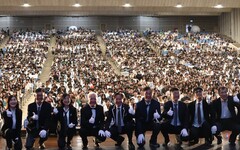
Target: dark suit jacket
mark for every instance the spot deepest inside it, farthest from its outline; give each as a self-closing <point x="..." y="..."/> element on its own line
<point x="217" y="109"/>
<point x="206" y="111"/>
<point x="182" y="113"/>
<point x="141" y="114"/>
<point x="72" y="117"/>
<point x="86" y="114"/>
<point x="44" y="116"/>
<point x="8" y="122"/>
<point x="127" y="117"/>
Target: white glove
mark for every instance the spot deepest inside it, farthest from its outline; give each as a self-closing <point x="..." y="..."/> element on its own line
<point x="131" y="110"/>
<point x="156" y="115"/>
<point x="170" y="112"/>
<point x="101" y="133"/>
<point x="92" y="120"/>
<point x="214" y="129"/>
<point x="34" y="117"/>
<point x="43" y="133"/>
<point x="55" y="110"/>
<point x="26" y="122"/>
<point x="107" y="134"/>
<point x="9" y="113"/>
<point x="235" y="99"/>
<point x="140" y="139"/>
<point x="184" y="132"/>
<point x="71" y="125"/>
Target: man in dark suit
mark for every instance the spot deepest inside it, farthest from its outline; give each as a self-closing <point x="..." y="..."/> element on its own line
<point x="92" y="121"/>
<point x="120" y="121"/>
<point x="199" y="118"/>
<point x="224" y="115"/>
<point x="39" y="113"/>
<point x="148" y="116"/>
<point x="176" y="118"/>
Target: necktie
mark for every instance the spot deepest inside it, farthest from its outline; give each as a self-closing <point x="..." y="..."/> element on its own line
<point x="65" y="120"/>
<point x="147" y="108"/>
<point x="175" y="114"/>
<point x="38" y="113"/>
<point x="119" y="121"/>
<point x="199" y="114"/>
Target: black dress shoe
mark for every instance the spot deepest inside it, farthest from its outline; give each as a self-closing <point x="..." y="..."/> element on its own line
<point x="165" y="144"/>
<point x="42" y="146"/>
<point x="154" y="145"/>
<point x="219" y="139"/>
<point x="119" y="142"/>
<point x="232" y="144"/>
<point x="208" y="143"/>
<point x="193" y="142"/>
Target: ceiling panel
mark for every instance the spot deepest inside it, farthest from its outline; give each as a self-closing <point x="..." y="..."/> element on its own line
<point x="114" y="7"/>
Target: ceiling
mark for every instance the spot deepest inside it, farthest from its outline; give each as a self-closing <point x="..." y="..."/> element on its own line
<point x="114" y="7"/>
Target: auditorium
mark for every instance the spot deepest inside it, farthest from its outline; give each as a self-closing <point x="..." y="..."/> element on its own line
<point x="122" y="74"/>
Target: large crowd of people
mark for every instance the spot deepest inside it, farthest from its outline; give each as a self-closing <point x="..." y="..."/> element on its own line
<point x="22" y="63"/>
<point x="158" y="60"/>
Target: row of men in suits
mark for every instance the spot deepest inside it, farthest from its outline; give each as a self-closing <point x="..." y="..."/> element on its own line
<point x="188" y="122"/>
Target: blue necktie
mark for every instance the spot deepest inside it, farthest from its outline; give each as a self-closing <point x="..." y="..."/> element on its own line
<point x="119" y="121"/>
<point x="199" y="114"/>
<point x="147" y="107"/>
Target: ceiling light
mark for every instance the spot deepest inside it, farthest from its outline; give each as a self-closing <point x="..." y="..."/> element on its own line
<point x="179" y="6"/>
<point x="26" y="5"/>
<point x="127" y="5"/>
<point x="76" y="5"/>
<point x="218" y="6"/>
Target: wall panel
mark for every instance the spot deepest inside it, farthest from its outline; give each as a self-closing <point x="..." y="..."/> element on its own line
<point x="209" y="24"/>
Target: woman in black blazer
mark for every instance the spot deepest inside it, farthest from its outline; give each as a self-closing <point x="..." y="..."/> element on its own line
<point x="11" y="129"/>
<point x="66" y="116"/>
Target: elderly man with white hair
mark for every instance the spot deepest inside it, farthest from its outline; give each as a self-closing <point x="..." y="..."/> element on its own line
<point x="92" y="121"/>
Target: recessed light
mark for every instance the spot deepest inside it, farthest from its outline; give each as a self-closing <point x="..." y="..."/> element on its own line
<point x="179" y="6"/>
<point x="127" y="5"/>
<point x="218" y="6"/>
<point x="26" y="5"/>
<point x="77" y="5"/>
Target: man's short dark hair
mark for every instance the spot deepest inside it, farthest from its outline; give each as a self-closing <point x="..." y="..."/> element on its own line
<point x="38" y="90"/>
<point x="197" y="89"/>
<point x="222" y="88"/>
<point x="118" y="93"/>
<point x="174" y="89"/>
<point x="146" y="88"/>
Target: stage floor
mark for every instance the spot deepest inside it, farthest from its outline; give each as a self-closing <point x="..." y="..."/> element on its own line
<point x="109" y="144"/>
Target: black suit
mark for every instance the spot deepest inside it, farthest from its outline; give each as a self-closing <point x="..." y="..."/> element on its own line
<point x="145" y="123"/>
<point x="11" y="134"/>
<point x="127" y="120"/>
<point x="43" y="122"/>
<point x="63" y="129"/>
<point x="204" y="130"/>
<point x="229" y="123"/>
<point x="183" y="117"/>
<point x="88" y="129"/>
